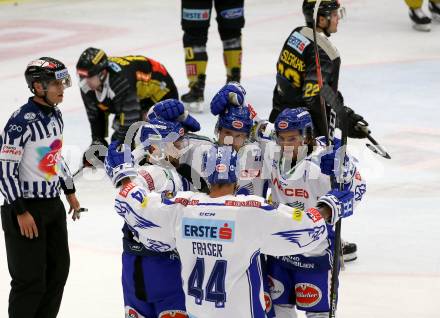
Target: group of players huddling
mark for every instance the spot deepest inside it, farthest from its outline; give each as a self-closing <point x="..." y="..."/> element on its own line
<point x="240" y="226"/>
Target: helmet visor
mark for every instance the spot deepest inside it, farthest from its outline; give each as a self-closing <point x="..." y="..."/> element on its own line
<point x="62" y="77"/>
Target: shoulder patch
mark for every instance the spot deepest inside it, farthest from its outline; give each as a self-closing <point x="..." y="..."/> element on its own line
<point x="126" y="189"/>
<point x="115" y="67"/>
<point x="30" y="116"/>
<point x="298" y="42"/>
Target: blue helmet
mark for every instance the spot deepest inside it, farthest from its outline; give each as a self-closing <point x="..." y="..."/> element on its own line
<point x="159" y="131"/>
<point x="221" y="165"/>
<point x="237" y="118"/>
<point x="294" y="119"/>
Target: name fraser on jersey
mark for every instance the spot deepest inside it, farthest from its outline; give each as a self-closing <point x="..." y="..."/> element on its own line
<point x="207" y="249"/>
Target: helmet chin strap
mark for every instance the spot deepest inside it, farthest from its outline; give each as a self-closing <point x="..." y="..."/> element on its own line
<point x="44" y="97"/>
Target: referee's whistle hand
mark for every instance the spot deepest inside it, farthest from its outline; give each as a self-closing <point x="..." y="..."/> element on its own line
<point x="27" y="225"/>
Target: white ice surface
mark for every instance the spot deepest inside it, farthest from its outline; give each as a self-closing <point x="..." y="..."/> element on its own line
<point x="390" y="75"/>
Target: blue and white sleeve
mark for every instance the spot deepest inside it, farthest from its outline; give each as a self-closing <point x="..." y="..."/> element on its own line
<point x="12" y="146"/>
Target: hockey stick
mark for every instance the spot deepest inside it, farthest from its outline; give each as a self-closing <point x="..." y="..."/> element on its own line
<point x="329" y="128"/>
<point x="77" y="172"/>
<point x="330" y="97"/>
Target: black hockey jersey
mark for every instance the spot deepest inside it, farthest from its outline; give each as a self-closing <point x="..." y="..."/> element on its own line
<point x="297" y="83"/>
<point x="133" y="85"/>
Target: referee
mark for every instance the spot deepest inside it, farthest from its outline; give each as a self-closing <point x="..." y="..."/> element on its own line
<point x="31" y="175"/>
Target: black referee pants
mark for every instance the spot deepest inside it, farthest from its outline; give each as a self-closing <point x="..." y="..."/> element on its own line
<point x="38" y="267"/>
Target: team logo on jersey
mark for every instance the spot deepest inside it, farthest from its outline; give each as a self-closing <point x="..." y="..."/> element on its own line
<point x="303" y="237"/>
<point x="208" y="229"/>
<point x="276" y="287"/>
<point x="29" y="116"/>
<point x="195" y="14"/>
<point x="134" y="219"/>
<point x="48" y="158"/>
<point x="283" y="124"/>
<point x="307" y="295"/>
<point x="298" y="42"/>
<point x="237" y="124"/>
<point x="220" y="168"/>
<point x="234" y="13"/>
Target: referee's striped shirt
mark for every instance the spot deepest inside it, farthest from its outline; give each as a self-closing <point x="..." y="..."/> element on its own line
<point x="31" y="165"/>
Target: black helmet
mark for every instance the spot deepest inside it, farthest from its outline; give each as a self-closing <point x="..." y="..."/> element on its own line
<point x="91" y="62"/>
<point x="325" y="9"/>
<point x="44" y="70"/>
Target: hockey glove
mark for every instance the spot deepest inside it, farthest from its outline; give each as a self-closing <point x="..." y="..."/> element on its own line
<point x="95" y="154"/>
<point x="340" y="202"/>
<point x="190" y="123"/>
<point x="173" y="110"/>
<point x="119" y="162"/>
<point x="330" y="164"/>
<point x="169" y="109"/>
<point x="222" y="99"/>
<point x="356" y="125"/>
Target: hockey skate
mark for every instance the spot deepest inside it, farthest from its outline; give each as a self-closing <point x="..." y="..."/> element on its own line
<point x="235" y="75"/>
<point x="435" y="11"/>
<point x="194" y="99"/>
<point x="349" y="251"/>
<point x="421" y="22"/>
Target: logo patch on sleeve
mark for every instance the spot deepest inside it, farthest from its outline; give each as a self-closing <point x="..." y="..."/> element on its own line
<point x="298" y="42"/>
<point x="127" y="188"/>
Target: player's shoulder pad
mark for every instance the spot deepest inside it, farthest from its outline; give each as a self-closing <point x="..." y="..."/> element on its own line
<point x="297" y="41"/>
<point x="323" y="42"/>
<point x="17" y="123"/>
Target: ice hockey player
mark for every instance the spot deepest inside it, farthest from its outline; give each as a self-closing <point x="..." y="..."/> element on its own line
<point x="301" y="172"/>
<point x="125" y="86"/>
<point x="234" y="125"/>
<point x="196" y="15"/>
<point x="296" y="79"/>
<point x="421" y="22"/>
<point x="219" y="236"/>
<point x="151" y="270"/>
<point x="189" y="165"/>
